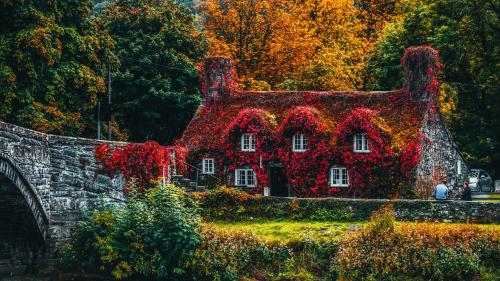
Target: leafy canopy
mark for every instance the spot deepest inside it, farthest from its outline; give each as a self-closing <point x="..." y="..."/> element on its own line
<point x="466" y="34"/>
<point x="51" y="53"/>
<point x="289" y="44"/>
<point x="155" y="86"/>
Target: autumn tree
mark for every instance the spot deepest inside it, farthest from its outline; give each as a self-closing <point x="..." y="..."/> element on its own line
<point x="155" y="86"/>
<point x="339" y="58"/>
<point x="288" y="44"/>
<point x="51" y="55"/>
<point x="466" y="34"/>
<point x="376" y="14"/>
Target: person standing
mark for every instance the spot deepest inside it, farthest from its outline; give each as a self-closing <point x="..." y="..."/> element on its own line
<point x="441" y="191"/>
<point x="467" y="192"/>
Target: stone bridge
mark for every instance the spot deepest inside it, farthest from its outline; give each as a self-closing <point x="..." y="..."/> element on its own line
<point x="46" y="181"/>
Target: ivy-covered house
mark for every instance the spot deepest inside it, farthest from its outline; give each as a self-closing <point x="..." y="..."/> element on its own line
<point x="324" y="143"/>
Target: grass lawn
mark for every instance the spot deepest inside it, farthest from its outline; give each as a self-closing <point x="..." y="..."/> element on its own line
<point x="291" y="231"/>
<point x="296" y="231"/>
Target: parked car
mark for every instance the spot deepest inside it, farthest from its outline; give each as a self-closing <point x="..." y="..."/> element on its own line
<point x="480" y="180"/>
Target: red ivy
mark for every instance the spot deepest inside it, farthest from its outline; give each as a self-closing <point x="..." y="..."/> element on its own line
<point x="227" y="81"/>
<point x="421" y="66"/>
<point x="361" y="165"/>
<point x="307" y="171"/>
<point x="252" y="121"/>
<point x="141" y="163"/>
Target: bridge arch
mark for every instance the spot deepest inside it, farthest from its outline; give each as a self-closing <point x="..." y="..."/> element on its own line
<point x="13" y="184"/>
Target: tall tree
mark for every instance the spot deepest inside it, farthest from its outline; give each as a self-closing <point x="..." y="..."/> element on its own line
<point x="51" y="54"/>
<point x="155" y="86"/>
<point x="466" y="33"/>
<point x="314" y="44"/>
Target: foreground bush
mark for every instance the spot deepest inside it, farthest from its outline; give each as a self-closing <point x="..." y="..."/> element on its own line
<point x="232" y="255"/>
<point x="150" y="237"/>
<point x="424" y="251"/>
<point x="156" y="236"/>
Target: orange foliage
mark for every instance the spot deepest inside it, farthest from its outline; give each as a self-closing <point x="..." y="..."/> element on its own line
<point x="288" y="44"/>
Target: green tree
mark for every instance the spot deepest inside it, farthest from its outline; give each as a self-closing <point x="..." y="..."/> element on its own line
<point x="51" y="53"/>
<point x="155" y="87"/>
<point x="466" y="34"/>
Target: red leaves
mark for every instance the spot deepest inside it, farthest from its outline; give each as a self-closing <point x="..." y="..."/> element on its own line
<point x="307" y="171"/>
<point x="259" y="123"/>
<point x="421" y="66"/>
<point x="140" y="162"/>
<point x="360" y="166"/>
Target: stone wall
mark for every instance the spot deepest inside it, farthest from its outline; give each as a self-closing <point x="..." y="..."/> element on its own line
<point x="63" y="175"/>
<point x="440" y="157"/>
<point x="344" y="209"/>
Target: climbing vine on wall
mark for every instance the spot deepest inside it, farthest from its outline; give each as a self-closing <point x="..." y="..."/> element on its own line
<point x="307" y="171"/>
<point x="218" y="66"/>
<point x="141" y="164"/>
<point x="366" y="169"/>
<point x="261" y="124"/>
<point x="421" y="66"/>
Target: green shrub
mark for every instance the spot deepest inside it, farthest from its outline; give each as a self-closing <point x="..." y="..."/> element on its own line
<point x="231" y="204"/>
<point x="223" y="203"/>
<point x="150" y="237"/>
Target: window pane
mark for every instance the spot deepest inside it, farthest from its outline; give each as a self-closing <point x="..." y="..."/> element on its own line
<point x="365" y="143"/>
<point x="252" y="142"/>
<point x="339" y="177"/>
<point x="345" y="177"/>
<point x="240" y="177"/>
<point x="304" y="142"/>
<point x="250" y="179"/>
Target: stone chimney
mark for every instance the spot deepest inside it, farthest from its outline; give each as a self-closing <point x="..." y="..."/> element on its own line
<point x="421" y="67"/>
<point x="216" y="78"/>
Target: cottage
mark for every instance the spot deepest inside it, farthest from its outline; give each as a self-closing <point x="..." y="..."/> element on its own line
<point x="324" y="143"/>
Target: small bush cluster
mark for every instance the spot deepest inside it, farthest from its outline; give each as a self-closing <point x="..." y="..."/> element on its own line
<point x="232" y="255"/>
<point x="222" y="202"/>
<point x="424" y="251"/>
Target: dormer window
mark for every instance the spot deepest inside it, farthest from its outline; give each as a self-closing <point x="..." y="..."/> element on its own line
<point x="361" y="143"/>
<point x="208" y="166"/>
<point x="248" y="142"/>
<point x="299" y="143"/>
<point x="339" y="177"/>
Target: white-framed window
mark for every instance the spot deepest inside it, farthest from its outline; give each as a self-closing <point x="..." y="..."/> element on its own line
<point x="361" y="143"/>
<point x="245" y="178"/>
<point x="339" y="177"/>
<point x="299" y="143"/>
<point x="248" y="142"/>
<point x="459" y="167"/>
<point x="207" y="166"/>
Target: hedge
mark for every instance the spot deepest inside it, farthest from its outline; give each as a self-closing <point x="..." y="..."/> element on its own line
<point x="227" y="203"/>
